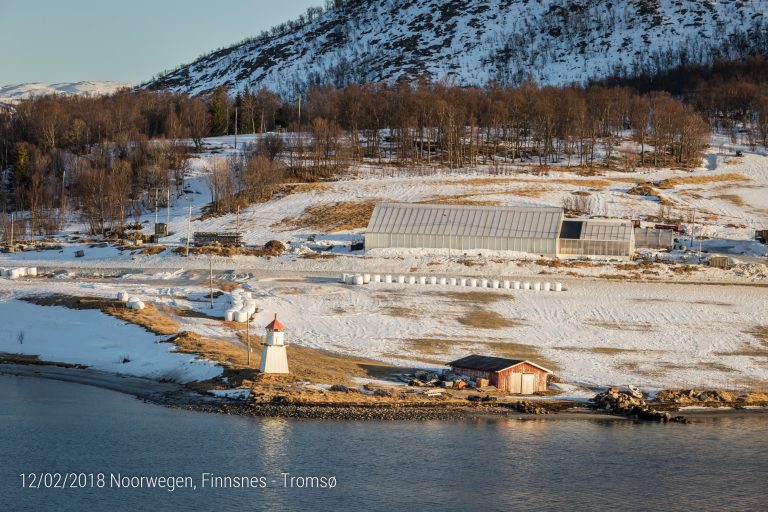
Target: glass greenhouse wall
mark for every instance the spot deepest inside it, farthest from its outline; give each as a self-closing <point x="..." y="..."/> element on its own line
<point x="542" y="246"/>
<point x="597" y="238"/>
<point x="596" y="248"/>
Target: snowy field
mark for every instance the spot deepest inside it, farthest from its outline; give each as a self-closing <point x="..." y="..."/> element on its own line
<point x="654" y="326"/>
<point x="96" y="340"/>
<point x="596" y="333"/>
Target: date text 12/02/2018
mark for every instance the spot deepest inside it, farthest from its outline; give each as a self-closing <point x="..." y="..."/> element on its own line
<point x="74" y="480"/>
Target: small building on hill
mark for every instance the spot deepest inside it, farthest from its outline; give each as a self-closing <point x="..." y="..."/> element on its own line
<point x="510" y="375"/>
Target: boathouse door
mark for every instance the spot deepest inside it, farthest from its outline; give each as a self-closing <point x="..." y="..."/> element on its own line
<point x="515" y="383"/>
<point x="528" y="383"/>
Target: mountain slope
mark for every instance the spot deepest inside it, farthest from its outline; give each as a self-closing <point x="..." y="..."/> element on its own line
<point x="17" y="92"/>
<point x="469" y="42"/>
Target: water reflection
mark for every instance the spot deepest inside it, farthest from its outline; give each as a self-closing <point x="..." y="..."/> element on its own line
<point x="273" y="441"/>
<point x="478" y="464"/>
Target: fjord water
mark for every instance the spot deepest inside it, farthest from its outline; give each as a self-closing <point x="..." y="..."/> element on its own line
<point x="484" y="464"/>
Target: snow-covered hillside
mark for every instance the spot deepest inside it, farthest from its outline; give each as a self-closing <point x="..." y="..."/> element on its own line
<point x="17" y="92"/>
<point x="469" y="42"/>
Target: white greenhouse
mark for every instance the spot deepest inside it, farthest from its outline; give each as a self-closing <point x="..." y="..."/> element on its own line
<point x="603" y="238"/>
<point x="496" y="228"/>
<point x="542" y="231"/>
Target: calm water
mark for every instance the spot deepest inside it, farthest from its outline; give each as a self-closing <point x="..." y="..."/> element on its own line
<point x="480" y="465"/>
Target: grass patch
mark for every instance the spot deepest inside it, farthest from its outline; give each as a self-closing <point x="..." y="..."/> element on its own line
<point x="611" y="351"/>
<point x="700" y="180"/>
<point x="484" y="319"/>
<point x="471" y="297"/>
<point x="334" y="217"/>
<point x="494" y="182"/>
<point x="643" y="189"/>
<point x="305" y="188"/>
<point x="711" y="303"/>
<point x="760" y="332"/>
<point x="461" y="200"/>
<point x="191" y="313"/>
<point x="734" y="199"/>
<point x="623" y="326"/>
<point x="746" y="350"/>
<point x="318" y="256"/>
<point x="154" y="318"/>
<point x="226" y="286"/>
<point x="399" y="312"/>
<point x="590" y="183"/>
<point x="436" y="346"/>
<point x="685" y="269"/>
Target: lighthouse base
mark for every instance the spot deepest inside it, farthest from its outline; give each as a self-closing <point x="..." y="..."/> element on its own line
<point x="274" y="359"/>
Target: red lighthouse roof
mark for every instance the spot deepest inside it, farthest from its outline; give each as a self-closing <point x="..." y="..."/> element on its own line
<point x="275" y="325"/>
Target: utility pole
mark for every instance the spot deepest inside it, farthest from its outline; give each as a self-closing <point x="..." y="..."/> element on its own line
<point x="248" y="337"/>
<point x="168" y="211"/>
<point x="12" y="220"/>
<point x="237" y="220"/>
<point x="299" y="110"/>
<point x="450" y="230"/>
<point x="156" y="201"/>
<point x="693" y="226"/>
<point x="189" y="229"/>
<point x="210" y="277"/>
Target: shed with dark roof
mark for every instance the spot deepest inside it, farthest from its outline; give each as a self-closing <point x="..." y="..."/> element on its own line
<point x="511" y="375"/>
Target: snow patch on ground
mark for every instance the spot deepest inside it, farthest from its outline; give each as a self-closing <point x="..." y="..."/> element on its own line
<point x="96" y="340"/>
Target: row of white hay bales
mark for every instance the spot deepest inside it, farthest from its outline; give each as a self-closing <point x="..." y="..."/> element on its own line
<point x="243" y="306"/>
<point x="130" y="301"/>
<point x="470" y="282"/>
<point x="15" y="273"/>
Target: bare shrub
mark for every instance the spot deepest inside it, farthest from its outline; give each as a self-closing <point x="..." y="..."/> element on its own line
<point x="578" y="204"/>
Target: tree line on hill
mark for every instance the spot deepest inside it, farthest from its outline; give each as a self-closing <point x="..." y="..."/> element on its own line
<point x="109" y="158"/>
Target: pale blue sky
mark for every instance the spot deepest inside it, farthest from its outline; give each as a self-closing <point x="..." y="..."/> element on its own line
<point x="126" y="40"/>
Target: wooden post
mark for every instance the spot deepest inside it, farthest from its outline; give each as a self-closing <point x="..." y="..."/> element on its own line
<point x="693" y="226"/>
<point x="248" y="337"/>
<point x="210" y="278"/>
<point x="12" y="220"/>
<point x="189" y="229"/>
<point x="168" y="211"/>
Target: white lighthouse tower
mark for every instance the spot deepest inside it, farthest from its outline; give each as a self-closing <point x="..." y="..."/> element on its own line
<point x="274" y="358"/>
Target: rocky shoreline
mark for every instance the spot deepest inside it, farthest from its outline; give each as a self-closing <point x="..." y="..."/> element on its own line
<point x="614" y="404"/>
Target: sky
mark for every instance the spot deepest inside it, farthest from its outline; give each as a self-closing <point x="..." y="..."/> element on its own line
<point x="127" y="41"/>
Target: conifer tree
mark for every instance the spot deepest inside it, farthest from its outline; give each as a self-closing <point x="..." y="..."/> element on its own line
<point x="220" y="106"/>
